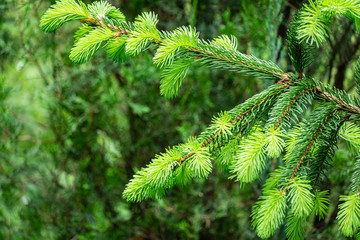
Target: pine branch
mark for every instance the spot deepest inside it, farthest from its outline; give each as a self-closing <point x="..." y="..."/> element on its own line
<point x="291" y="104"/>
<point x="324" y="153"/>
<point x="357" y="76"/>
<point x="295" y="227"/>
<point x="269" y="213"/>
<point x="299" y="52"/>
<point x="86" y="46"/>
<point x="349" y="214"/>
<point x="321" y="204"/>
<point x="316" y="17"/>
<point x="310" y="133"/>
<point x="244" y="138"/>
<point x="62" y="12"/>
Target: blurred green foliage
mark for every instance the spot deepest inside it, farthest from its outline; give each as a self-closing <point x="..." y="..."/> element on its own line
<point x="71" y="136"/>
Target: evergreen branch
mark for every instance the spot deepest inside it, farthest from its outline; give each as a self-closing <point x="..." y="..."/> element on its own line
<point x="86" y="46"/>
<point x="313" y="24"/>
<point x="349" y="214"/>
<point x="83" y="30"/>
<point x="241" y="139"/>
<point x="315" y="18"/>
<point x="357" y="76"/>
<point x="274" y="141"/>
<point x="343" y="100"/>
<point x="172" y="76"/>
<point x="299" y="52"/>
<point x="350" y="132"/>
<point x="295" y="227"/>
<point x="115" y="48"/>
<point x="321" y="204"/>
<point x="249" y="160"/>
<point x="291" y="104"/>
<point x="226" y="42"/>
<point x="308" y="147"/>
<point x="62" y="12"/>
<point x="183" y="37"/>
<point x="300" y="197"/>
<point x="102" y="9"/>
<point x="225" y="58"/>
<point x="186" y="161"/>
<point x="325" y="117"/>
<point x="220" y="53"/>
<point x="145" y="32"/>
<point x="355" y="180"/>
<point x="269" y="213"/>
<point x="325" y="150"/>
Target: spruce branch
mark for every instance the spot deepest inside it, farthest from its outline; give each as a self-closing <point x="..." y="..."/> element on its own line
<point x="311" y="142"/>
<point x="349" y="214"/>
<point x="295" y="227"/>
<point x="245" y="137"/>
<point x="355" y="180"/>
<point x="291" y="104"/>
<point x="299" y="52"/>
<point x="316" y="17"/>
<point x="324" y="153"/>
<point x="269" y="213"/>
<point x="86" y="46"/>
<point x="62" y="12"/>
<point x="300" y="197"/>
<point x="357" y="76"/>
<point x="321" y="203"/>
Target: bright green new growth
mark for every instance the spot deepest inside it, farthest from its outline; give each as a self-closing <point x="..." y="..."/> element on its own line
<point x="274" y="142"/>
<point x="269" y="213"/>
<point x="115" y="48"/>
<point x="103" y="9"/>
<point x="316" y="17"/>
<point x="255" y="137"/>
<point x="87" y="46"/>
<point x="300" y="197"/>
<point x="349" y="214"/>
<point x="183" y="37"/>
<point x="226" y="42"/>
<point x="250" y="157"/>
<point x="144" y="32"/>
<point x="295" y="227"/>
<point x="199" y="162"/>
<point x="321" y="204"/>
<point x="62" y="12"/>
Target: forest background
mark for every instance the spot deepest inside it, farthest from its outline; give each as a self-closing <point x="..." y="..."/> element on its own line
<point x="71" y="136"/>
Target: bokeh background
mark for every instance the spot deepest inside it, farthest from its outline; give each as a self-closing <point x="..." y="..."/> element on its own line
<point x="71" y="136"/>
